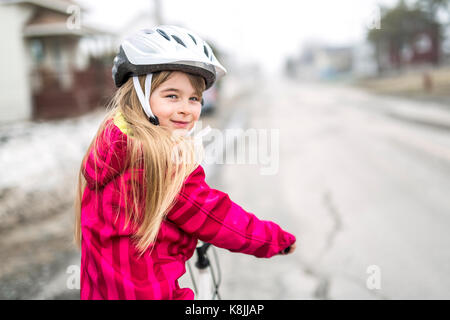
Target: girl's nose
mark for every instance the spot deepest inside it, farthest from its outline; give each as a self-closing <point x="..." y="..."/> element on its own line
<point x="184" y="108"/>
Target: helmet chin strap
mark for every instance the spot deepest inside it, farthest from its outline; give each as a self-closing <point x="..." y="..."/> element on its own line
<point x="144" y="98"/>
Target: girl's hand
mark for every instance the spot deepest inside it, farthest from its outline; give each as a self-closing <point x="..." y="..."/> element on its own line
<point x="289" y="249"/>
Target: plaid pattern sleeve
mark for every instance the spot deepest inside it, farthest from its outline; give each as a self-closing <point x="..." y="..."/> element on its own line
<point x="211" y="216"/>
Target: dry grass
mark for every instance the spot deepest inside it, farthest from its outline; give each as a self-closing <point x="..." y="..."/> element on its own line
<point x="412" y="84"/>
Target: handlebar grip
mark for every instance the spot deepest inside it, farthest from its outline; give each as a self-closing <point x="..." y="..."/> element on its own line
<point x="286" y="251"/>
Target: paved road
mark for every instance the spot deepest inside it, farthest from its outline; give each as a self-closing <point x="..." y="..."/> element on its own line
<point x="366" y="194"/>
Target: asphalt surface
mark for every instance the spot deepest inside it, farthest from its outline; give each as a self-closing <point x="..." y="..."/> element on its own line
<point x="363" y="188"/>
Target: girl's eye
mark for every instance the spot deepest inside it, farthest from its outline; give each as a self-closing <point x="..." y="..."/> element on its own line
<point x="175" y="96"/>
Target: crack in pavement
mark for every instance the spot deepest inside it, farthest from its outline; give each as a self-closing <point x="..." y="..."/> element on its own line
<point x="335" y="216"/>
<point x="324" y="281"/>
<point x="323" y="287"/>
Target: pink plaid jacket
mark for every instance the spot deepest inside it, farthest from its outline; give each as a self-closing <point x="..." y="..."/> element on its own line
<point x="110" y="267"/>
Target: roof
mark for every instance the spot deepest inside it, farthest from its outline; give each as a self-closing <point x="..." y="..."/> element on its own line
<point x="52" y="19"/>
<point x="55" y="5"/>
<point x="57" y="29"/>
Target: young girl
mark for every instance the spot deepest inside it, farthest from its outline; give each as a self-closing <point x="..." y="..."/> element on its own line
<point x="139" y="214"/>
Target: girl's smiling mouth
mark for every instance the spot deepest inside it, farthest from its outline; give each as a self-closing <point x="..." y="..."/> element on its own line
<point x="180" y="124"/>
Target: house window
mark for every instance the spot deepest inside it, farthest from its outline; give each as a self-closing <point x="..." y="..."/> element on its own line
<point x="37" y="50"/>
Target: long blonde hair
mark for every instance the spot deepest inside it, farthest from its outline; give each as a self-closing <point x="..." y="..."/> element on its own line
<point x="151" y="149"/>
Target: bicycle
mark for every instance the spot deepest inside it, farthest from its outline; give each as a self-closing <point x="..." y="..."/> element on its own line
<point x="208" y="288"/>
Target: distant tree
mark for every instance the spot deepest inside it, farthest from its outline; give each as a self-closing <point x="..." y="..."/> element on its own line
<point x="433" y="7"/>
<point x="400" y="24"/>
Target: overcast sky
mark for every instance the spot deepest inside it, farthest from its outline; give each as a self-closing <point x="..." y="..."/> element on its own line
<point x="252" y="30"/>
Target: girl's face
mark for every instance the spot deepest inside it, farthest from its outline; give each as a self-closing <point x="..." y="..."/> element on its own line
<point x="175" y="102"/>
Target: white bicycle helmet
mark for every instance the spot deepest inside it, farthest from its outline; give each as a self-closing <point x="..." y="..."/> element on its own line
<point x="168" y="48"/>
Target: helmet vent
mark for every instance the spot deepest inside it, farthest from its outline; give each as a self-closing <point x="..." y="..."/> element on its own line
<point x="179" y="40"/>
<point x="161" y="32"/>
<point x="206" y="51"/>
<point x="192" y="37"/>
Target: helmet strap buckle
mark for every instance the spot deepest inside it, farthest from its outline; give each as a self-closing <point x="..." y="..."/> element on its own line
<point x="154" y="120"/>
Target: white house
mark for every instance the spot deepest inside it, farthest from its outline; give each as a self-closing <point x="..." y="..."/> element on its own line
<point x="364" y="60"/>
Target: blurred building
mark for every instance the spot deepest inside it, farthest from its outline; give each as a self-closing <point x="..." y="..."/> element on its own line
<point x="322" y="62"/>
<point x="333" y="61"/>
<point x="364" y="60"/>
<point x="47" y="72"/>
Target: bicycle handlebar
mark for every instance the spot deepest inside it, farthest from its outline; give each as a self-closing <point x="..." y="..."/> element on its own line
<point x="202" y="261"/>
<point x="286" y="251"/>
